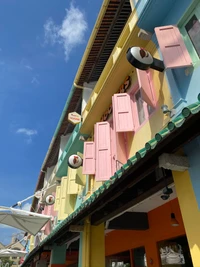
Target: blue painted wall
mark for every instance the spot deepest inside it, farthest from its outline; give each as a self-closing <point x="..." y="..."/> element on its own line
<point x="183" y="82"/>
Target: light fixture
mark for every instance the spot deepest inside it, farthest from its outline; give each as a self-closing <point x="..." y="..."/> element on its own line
<point x="167" y="111"/>
<point x="167" y="191"/>
<point x="174" y="221"/>
<point x="165" y="197"/>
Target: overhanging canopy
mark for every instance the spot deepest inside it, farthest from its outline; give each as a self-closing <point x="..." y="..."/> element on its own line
<point x="12" y="253"/>
<point x="24" y="220"/>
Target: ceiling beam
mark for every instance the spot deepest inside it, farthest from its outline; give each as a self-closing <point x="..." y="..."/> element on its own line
<point x="130" y="221"/>
<point x="130" y="198"/>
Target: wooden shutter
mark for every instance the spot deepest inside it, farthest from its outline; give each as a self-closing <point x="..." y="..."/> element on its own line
<point x="172" y="46"/>
<point x="57" y="198"/>
<point x="89" y="158"/>
<point x="72" y="187"/>
<point x="62" y="211"/>
<point x="45" y="213"/>
<point x="103" y="151"/>
<point x="122" y="113"/>
<point x="145" y="85"/>
<point x="80" y="177"/>
<point x="47" y="229"/>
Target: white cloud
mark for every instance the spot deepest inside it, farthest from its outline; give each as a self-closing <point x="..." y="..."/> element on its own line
<point x="27" y="207"/>
<point x="35" y="81"/>
<point x="70" y="33"/>
<point x="29" y="133"/>
<point x="28" y="67"/>
<point x="26" y="131"/>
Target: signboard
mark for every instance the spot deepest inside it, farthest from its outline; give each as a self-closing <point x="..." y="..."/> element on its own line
<point x="141" y="59"/>
<point x="50" y="200"/>
<point x="75" y="161"/>
<point x="74" y="118"/>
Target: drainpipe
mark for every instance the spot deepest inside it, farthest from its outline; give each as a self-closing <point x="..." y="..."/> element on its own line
<point x="82" y="87"/>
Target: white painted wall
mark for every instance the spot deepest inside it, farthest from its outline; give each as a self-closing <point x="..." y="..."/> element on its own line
<point x="47" y="175"/>
<point x="63" y="142"/>
<point x="86" y="93"/>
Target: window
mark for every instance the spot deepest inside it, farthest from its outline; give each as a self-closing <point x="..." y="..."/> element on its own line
<point x="121" y="259"/>
<point x="139" y="257"/>
<point x="190" y="30"/>
<point x="142" y="109"/>
<point x="193" y="29"/>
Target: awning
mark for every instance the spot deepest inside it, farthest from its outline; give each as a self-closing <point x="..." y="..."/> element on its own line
<point x="24" y="220"/>
<point x="12" y="253"/>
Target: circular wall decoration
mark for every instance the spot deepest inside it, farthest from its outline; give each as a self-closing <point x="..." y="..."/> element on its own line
<point x="75" y="161"/>
<point x="50" y="200"/>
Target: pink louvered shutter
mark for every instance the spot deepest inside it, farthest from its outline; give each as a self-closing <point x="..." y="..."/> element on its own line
<point x="53" y="213"/>
<point x="172" y="46"/>
<point x="47" y="229"/>
<point x="44" y="212"/>
<point x="89" y="158"/>
<point x="103" y="151"/>
<point x="145" y="86"/>
<point x="122" y="113"/>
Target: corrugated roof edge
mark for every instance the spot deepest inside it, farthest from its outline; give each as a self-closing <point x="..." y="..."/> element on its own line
<point x="171" y="126"/>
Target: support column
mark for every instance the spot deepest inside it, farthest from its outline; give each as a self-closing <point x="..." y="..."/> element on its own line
<point x="58" y="256"/>
<point x="92" y="246"/>
<point x="190" y="213"/>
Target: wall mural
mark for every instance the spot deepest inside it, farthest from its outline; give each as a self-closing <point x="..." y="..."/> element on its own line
<point x="172" y="254"/>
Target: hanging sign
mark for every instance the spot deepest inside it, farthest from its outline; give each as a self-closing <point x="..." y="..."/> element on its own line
<point x="141" y="59"/>
<point x="123" y="88"/>
<point x="75" y="161"/>
<point x="74" y="118"/>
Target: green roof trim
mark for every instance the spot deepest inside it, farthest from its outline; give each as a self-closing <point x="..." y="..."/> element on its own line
<point x="175" y="123"/>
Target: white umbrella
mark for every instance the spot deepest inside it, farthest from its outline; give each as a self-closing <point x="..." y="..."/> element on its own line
<point x="27" y="221"/>
<point x="12" y="253"/>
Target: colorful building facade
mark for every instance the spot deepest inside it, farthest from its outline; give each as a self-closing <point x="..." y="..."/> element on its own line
<point x="135" y="199"/>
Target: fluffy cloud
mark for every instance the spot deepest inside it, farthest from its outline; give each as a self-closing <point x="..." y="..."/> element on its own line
<point x="29" y="133"/>
<point x="26" y="131"/>
<point x="70" y="33"/>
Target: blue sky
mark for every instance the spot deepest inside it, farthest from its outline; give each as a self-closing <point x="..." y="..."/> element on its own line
<point x="41" y="45"/>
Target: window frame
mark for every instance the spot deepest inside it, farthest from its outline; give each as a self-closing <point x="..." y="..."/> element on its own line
<point x="193" y="10"/>
<point x="133" y="91"/>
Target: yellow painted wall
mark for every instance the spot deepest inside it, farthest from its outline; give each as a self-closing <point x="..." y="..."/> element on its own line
<point x="31" y="246"/>
<point x="114" y="74"/>
<point x="190" y="213"/>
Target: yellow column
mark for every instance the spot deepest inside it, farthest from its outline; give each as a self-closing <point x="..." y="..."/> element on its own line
<point x="93" y="246"/>
<point x="97" y="246"/>
<point x="190" y="213"/>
